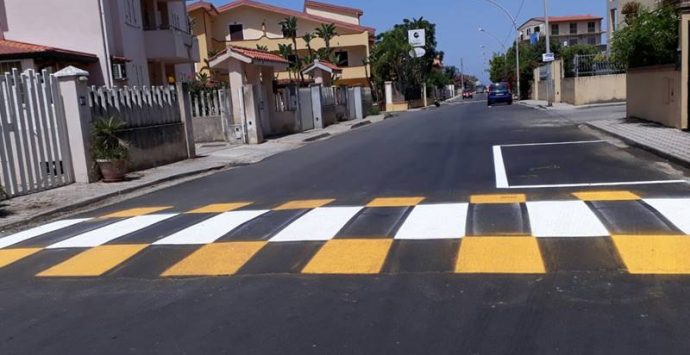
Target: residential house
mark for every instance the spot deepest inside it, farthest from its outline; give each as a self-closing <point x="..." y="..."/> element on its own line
<point x="567" y="30"/>
<point x="251" y="24"/>
<point x="120" y="42"/>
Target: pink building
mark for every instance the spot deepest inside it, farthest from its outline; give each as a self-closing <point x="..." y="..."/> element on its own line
<point x="120" y="42"/>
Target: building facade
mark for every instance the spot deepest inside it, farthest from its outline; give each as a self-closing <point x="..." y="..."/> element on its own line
<point x="252" y="24"/>
<point x="616" y="8"/>
<point x="567" y="30"/>
<point x="120" y="42"/>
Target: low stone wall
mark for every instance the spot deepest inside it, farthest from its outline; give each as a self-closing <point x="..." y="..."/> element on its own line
<point x="155" y="145"/>
<point x="208" y="129"/>
<point x="653" y="94"/>
<point x="587" y="90"/>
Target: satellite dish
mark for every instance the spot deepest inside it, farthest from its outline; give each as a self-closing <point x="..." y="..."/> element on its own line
<point x="417" y="52"/>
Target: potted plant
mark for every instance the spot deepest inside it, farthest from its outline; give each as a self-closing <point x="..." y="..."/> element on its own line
<point x="109" y="151"/>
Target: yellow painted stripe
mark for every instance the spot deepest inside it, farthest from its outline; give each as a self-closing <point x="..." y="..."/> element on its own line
<point x="498" y="198"/>
<point x="133" y="212"/>
<point x="395" y="201"/>
<point x="94" y="262"/>
<point x="607" y="196"/>
<point x="500" y="255"/>
<point x="303" y="204"/>
<point x="9" y="256"/>
<point x="661" y="254"/>
<point x="221" y="207"/>
<point x="220" y="259"/>
<point x="350" y="256"/>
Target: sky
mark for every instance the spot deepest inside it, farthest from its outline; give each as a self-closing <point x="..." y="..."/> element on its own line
<point x="458" y="21"/>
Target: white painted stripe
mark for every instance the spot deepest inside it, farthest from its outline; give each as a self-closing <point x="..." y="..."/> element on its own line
<point x="442" y="221"/>
<point x="676" y="210"/>
<point x="499" y="167"/>
<point x="625" y="183"/>
<point x="551" y="143"/>
<point x="35" y="232"/>
<point x="564" y="219"/>
<point x="318" y="224"/>
<point x="111" y="232"/>
<point x="211" y="229"/>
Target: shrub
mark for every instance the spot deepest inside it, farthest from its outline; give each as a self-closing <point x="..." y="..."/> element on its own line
<point x="106" y="144"/>
<point x="651" y="38"/>
<point x="374" y="110"/>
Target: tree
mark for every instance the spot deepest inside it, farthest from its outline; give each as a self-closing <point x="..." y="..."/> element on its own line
<point x="289" y="28"/>
<point x="390" y="59"/>
<point x="326" y="32"/>
<point x="568" y="55"/>
<point x="262" y="47"/>
<point x="285" y="51"/>
<point x="650" y="38"/>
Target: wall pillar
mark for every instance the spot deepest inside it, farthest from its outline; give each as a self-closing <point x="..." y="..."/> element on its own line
<point x="74" y="92"/>
<point x="185" y="104"/>
<point x="684" y="66"/>
<point x="389" y="92"/>
<point x="316" y="107"/>
<point x="424" y="100"/>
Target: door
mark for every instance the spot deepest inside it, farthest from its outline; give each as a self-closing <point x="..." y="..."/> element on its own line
<point x="306" y="113"/>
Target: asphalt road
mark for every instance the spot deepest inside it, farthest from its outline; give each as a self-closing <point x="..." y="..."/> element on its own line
<point x="573" y="243"/>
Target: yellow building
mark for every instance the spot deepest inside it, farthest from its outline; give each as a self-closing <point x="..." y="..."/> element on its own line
<point x="248" y="24"/>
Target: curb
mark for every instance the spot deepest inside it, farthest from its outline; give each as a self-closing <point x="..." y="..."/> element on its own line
<point x="660" y="153"/>
<point x="360" y="124"/>
<point x="80" y="204"/>
<point x="317" y="137"/>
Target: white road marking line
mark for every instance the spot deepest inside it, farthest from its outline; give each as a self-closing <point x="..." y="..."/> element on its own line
<point x="594" y="184"/>
<point x="551" y="143"/>
<point x="442" y="221"/>
<point x="676" y="210"/>
<point x="211" y="229"/>
<point x="317" y="225"/>
<point x="564" y="219"/>
<point x="500" y="168"/>
<point x="111" y="232"/>
<point x="37" y="231"/>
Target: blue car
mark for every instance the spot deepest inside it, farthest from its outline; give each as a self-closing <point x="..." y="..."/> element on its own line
<point x="499" y="92"/>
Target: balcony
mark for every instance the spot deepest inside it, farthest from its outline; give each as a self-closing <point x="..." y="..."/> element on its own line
<point x="171" y="45"/>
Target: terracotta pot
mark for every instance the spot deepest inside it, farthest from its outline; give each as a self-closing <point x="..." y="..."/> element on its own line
<point x="113" y="170"/>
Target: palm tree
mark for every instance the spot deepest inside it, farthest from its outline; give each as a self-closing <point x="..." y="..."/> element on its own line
<point x="289" y="28"/>
<point x="262" y="47"/>
<point x="286" y="52"/>
<point x="326" y="32"/>
<point x="308" y="37"/>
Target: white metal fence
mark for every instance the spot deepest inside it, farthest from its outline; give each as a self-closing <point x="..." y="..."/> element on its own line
<point x="33" y="141"/>
<point x="137" y="107"/>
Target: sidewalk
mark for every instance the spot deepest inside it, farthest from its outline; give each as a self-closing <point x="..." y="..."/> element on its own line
<point x="211" y="157"/>
<point x="561" y="106"/>
<point x="670" y="143"/>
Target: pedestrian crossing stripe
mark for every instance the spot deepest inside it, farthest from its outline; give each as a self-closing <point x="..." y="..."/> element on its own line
<point x="395" y="201"/>
<point x="134" y="212"/>
<point x="9" y="256"/>
<point x="353" y="256"/>
<point x="220" y="207"/>
<point x="93" y="262"/>
<point x="500" y="255"/>
<point x="303" y="204"/>
<point x="607" y="196"/>
<point x="498" y="198"/>
<point x="220" y="259"/>
<point x="657" y="255"/>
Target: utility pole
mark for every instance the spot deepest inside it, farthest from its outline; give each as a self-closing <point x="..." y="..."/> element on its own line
<point x="462" y="75"/>
<point x="548" y="50"/>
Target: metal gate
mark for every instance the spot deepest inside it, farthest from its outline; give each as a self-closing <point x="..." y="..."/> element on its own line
<point x="34" y="148"/>
<point x="306" y="111"/>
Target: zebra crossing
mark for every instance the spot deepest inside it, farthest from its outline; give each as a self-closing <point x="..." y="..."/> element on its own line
<point x="490" y="234"/>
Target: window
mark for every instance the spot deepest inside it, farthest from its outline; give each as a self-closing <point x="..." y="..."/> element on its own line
<point x="591" y="40"/>
<point x="537" y="29"/>
<point x="555" y="30"/>
<point x="529" y="31"/>
<point x="131" y="16"/>
<point x="613" y="20"/>
<point x="591" y="27"/>
<point x="573" y="28"/>
<point x="236" y="32"/>
<point x="342" y="59"/>
<point x="6" y="67"/>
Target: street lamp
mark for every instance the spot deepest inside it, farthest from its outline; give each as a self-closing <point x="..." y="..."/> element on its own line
<point x="517" y="41"/>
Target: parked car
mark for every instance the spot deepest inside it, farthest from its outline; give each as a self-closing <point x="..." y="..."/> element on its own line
<point x="467" y="94"/>
<point x="499" y="92"/>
